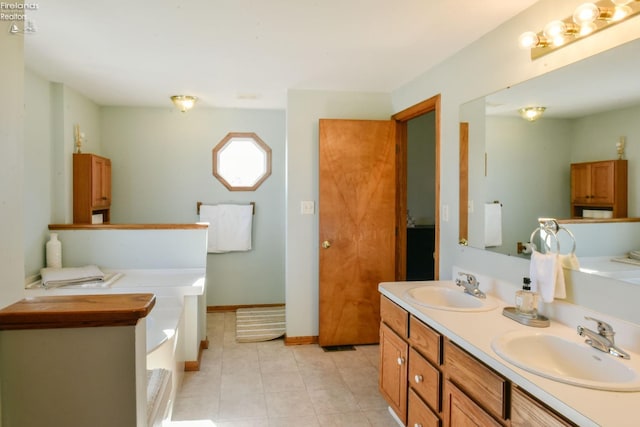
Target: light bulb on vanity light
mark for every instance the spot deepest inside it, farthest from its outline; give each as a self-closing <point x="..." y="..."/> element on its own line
<point x="529" y="39"/>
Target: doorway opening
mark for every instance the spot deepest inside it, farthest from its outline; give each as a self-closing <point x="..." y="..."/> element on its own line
<point x="418" y="134"/>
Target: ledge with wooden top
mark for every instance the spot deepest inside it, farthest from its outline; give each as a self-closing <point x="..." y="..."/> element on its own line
<point x="76" y="311"/>
<point x="194" y="226"/>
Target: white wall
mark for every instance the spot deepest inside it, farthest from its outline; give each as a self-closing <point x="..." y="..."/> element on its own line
<point x="304" y="109"/>
<point x="162" y="166"/>
<point x="11" y="168"/>
<point x="51" y="111"/>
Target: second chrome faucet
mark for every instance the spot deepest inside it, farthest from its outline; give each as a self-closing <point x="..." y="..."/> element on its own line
<point x="603" y="339"/>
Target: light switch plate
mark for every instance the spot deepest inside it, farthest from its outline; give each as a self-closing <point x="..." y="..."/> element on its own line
<point x="307" y="207"/>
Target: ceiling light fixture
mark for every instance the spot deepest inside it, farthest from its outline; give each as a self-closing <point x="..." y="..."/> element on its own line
<point x="184" y="102"/>
<point x="587" y="19"/>
<point x="531" y="113"/>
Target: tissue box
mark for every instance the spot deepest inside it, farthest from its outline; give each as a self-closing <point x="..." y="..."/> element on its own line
<point x="96" y="219"/>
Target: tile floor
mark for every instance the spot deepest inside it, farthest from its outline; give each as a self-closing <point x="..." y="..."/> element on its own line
<point x="270" y="384"/>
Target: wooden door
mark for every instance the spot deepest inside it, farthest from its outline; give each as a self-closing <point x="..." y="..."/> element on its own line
<point x="580" y="183"/>
<point x="357" y="227"/>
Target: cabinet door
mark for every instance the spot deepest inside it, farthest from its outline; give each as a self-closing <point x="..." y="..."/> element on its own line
<point x="393" y="371"/>
<point x="580" y="183"/>
<point x="101" y="182"/>
<point x="602" y="183"/>
<point x="461" y="411"/>
<point x="525" y="411"/>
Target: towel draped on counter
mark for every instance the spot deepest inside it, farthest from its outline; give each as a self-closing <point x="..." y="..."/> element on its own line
<point x="54" y="277"/>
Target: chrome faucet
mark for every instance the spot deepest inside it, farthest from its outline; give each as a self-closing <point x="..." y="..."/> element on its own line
<point x="470" y="285"/>
<point x="603" y="339"/>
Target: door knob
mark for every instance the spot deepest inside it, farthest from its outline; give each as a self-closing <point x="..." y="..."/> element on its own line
<point x="326" y="244"/>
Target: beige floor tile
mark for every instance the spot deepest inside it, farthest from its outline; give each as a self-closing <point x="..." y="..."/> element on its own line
<point x="283" y="381"/>
<point x="268" y="384"/>
<point x="345" y="419"/>
<point x="241" y="407"/>
<point x="333" y="400"/>
<point x="288" y="404"/>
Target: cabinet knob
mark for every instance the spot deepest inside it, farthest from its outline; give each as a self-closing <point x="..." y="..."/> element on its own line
<point x="326" y="244"/>
<point x="400" y="360"/>
<point x="417" y="425"/>
<point x="418" y="379"/>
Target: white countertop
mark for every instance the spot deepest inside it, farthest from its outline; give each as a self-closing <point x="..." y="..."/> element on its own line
<point x="474" y="332"/>
<point x="162" y="282"/>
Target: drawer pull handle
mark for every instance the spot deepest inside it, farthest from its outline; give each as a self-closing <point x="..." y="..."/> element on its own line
<point x="400" y="360"/>
<point x="417" y="425"/>
<point x="418" y="379"/>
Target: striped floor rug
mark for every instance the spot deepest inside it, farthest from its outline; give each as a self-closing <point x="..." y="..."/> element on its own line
<point x="259" y="324"/>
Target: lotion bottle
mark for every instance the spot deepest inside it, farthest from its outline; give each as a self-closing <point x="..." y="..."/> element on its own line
<point x="527" y="300"/>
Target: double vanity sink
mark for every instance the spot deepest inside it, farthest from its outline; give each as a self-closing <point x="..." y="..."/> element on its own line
<point x="556" y="353"/>
<point x="564" y="359"/>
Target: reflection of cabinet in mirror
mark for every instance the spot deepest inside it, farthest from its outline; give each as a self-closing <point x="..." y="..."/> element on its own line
<point x="601" y="187"/>
<point x="91" y="188"/>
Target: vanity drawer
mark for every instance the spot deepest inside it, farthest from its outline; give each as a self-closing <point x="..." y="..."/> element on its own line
<point x="427" y="341"/>
<point x="420" y="415"/>
<point x="477" y="380"/>
<point x="526" y="411"/>
<point x="394" y="316"/>
<point x="424" y="379"/>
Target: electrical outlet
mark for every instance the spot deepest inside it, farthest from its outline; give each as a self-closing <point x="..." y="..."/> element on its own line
<point x="445" y="213"/>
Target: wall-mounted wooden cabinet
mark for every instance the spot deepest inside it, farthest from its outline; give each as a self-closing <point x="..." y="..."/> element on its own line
<point x="91" y="188"/>
<point x="599" y="186"/>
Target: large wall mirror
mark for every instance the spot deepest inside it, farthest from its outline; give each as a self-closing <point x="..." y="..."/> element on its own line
<point x="525" y="166"/>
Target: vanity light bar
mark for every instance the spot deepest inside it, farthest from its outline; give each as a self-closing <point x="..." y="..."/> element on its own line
<point x="587" y="19"/>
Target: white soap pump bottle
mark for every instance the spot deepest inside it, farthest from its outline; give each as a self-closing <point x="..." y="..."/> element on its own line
<point x="53" y="249"/>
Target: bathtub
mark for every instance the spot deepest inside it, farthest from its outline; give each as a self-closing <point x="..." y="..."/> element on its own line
<point x="175" y="326"/>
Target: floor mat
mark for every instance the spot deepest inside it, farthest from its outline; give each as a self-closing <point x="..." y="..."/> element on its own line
<point x="259" y="324"/>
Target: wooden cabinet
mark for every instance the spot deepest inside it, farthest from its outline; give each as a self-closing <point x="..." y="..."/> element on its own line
<point x="600" y="186"/>
<point x="527" y="411"/>
<point x="394" y="353"/>
<point x="429" y="381"/>
<point x="91" y="188"/>
<point x="410" y="378"/>
<point x="487" y="388"/>
<point x="462" y="411"/>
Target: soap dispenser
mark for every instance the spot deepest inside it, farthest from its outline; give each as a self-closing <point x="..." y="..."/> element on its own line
<point x="527" y="300"/>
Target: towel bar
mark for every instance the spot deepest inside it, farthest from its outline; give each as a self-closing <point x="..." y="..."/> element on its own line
<point x="198" y="204"/>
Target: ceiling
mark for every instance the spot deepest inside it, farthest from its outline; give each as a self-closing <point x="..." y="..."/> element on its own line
<point x="247" y="53"/>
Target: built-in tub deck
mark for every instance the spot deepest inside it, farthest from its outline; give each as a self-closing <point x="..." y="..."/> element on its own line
<point x="168" y="339"/>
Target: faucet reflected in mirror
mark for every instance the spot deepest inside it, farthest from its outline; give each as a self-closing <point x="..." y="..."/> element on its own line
<point x="526" y="165"/>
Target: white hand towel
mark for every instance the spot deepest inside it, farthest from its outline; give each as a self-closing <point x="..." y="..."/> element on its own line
<point x="209" y="213"/>
<point x="547" y="277"/>
<point x="492" y="225"/>
<point x="570" y="261"/>
<point x="234" y="227"/>
<point x="229" y="227"/>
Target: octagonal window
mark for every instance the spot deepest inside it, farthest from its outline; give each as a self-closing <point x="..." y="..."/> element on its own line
<point x="241" y="161"/>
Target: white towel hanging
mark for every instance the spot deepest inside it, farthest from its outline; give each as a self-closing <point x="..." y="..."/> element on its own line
<point x="230" y="227"/>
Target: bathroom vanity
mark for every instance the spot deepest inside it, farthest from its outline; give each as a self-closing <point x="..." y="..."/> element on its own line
<point x="438" y="367"/>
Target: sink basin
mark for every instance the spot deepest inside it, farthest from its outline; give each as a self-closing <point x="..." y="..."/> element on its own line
<point x="566" y="361"/>
<point x="446" y="298"/>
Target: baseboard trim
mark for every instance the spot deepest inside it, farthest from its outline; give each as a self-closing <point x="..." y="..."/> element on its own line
<point x="227" y="308"/>
<point x="300" y="340"/>
<point x="194" y="365"/>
